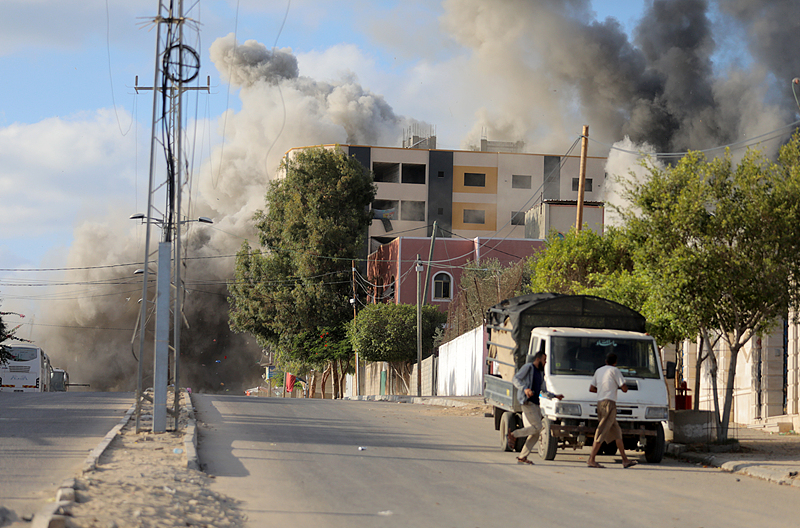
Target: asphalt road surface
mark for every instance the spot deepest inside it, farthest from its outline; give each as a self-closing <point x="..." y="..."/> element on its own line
<point x="45" y="438"/>
<point x="297" y="462"/>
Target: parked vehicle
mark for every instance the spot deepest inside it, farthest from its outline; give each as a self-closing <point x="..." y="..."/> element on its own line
<point x="576" y="332"/>
<point x="28" y="370"/>
<point x="59" y="381"/>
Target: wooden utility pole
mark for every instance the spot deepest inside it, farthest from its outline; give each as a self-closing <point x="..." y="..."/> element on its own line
<point x="582" y="177"/>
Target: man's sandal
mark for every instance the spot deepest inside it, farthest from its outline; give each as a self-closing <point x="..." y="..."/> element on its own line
<point x="628" y="464"/>
<point x="524" y="460"/>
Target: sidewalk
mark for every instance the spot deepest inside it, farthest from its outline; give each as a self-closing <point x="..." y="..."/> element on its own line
<point x="769" y="456"/>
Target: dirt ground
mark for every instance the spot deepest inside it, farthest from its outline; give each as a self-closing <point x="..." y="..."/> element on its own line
<point x="141" y="481"/>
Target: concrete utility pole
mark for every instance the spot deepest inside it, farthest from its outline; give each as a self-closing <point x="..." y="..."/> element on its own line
<point x="175" y="65"/>
<point x="418" y="269"/>
<point x="582" y="177"/>
<point x="354" y="301"/>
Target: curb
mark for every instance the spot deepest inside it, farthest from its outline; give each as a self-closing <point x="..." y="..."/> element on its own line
<point x="783" y="477"/>
<point x="419" y="400"/>
<point x="190" y="437"/>
<point x="55" y="514"/>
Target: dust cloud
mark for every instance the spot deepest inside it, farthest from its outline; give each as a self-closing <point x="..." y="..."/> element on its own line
<point x="693" y="75"/>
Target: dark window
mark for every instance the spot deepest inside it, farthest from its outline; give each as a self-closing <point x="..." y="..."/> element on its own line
<point x="517" y="217"/>
<point x="474" y="216"/>
<point x="473" y="179"/>
<point x="587" y="187"/>
<point x="386" y="172"/>
<point x="519" y="181"/>
<point x="441" y="211"/>
<point x="441" y="174"/>
<point x="385" y="208"/>
<point x="410" y="210"/>
<point x="413" y="173"/>
<point x="441" y="286"/>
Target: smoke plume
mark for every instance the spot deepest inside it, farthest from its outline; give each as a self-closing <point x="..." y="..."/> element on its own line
<point x="544" y="69"/>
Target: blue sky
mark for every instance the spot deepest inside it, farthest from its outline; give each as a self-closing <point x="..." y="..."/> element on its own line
<point x="69" y="69"/>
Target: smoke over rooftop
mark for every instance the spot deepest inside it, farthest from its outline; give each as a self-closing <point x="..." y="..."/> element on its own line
<point x="544" y="68"/>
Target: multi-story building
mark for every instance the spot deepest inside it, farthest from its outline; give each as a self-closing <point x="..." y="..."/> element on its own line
<point x="470" y="194"/>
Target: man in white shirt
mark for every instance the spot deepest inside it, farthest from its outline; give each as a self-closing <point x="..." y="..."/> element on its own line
<point x="606" y="381"/>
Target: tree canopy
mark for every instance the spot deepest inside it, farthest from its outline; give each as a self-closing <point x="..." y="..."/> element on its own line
<point x="588" y="263"/>
<point x="293" y="292"/>
<point x="718" y="244"/>
<point x="388" y="332"/>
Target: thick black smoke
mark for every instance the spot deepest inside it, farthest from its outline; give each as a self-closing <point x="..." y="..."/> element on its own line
<point x="545" y="68"/>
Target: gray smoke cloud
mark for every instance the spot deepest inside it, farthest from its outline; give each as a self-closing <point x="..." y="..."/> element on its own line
<point x="91" y="335"/>
<point x="560" y="68"/>
<point x="546" y="67"/>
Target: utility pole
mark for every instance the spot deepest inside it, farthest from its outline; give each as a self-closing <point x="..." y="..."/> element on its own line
<point x="358" y="377"/>
<point x="582" y="177"/>
<point x="418" y="269"/>
<point x="176" y="64"/>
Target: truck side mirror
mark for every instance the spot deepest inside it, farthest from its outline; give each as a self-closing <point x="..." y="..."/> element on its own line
<point x="670" y="370"/>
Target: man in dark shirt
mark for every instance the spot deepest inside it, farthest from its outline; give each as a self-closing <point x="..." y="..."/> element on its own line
<point x="529" y="381"/>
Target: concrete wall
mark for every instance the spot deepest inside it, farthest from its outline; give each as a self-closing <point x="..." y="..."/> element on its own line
<point x="462" y="364"/>
<point x="429" y="373"/>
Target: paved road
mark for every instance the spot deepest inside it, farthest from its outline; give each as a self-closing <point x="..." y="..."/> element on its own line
<point x="45" y="437"/>
<point x="296" y="462"/>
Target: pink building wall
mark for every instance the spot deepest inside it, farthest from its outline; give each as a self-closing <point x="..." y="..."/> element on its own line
<point x="396" y="260"/>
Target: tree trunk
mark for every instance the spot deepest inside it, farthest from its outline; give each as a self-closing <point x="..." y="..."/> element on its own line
<point x="335" y="379"/>
<point x="698" y="371"/>
<point x="344" y="367"/>
<point x="714" y="388"/>
<point x="729" y="382"/>
<point x="325" y="375"/>
<point x="312" y="389"/>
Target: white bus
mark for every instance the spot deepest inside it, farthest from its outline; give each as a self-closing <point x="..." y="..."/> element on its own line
<point x="28" y="370"/>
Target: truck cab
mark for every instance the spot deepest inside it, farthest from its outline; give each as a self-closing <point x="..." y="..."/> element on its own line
<point x="576" y="332"/>
<point x="573" y="355"/>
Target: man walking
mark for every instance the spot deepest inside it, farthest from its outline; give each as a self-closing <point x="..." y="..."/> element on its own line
<point x="529" y="382"/>
<point x="606" y="381"/>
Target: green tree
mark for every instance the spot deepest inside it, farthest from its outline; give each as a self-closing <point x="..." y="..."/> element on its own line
<point x="588" y="263"/>
<point x="295" y="288"/>
<point x="718" y="244"/>
<point x="388" y="332"/>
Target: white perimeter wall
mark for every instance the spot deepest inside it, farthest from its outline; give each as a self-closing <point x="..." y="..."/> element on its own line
<point x="461" y="365"/>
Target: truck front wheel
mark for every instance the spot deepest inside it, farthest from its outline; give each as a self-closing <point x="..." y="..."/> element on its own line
<point x="548" y="444"/>
<point x="654" y="446"/>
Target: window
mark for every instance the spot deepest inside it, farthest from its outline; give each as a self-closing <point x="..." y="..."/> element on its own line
<point x="474" y="216"/>
<point x="385" y="208"/>
<point x="413" y="173"/>
<point x="440" y="211"/>
<point x="441" y="174"/>
<point x="587" y="187"/>
<point x="517" y="217"/>
<point x="473" y="179"/>
<point x="441" y="286"/>
<point x="519" y="181"/>
<point x="386" y="172"/>
<point x="411" y="210"/>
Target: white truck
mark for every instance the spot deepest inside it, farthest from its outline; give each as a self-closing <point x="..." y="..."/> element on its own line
<point x="576" y="332"/>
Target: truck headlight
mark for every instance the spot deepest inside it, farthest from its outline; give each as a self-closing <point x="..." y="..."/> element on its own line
<point x="656" y="413"/>
<point x="570" y="409"/>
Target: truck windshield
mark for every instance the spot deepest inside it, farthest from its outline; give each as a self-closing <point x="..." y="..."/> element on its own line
<point x="581" y="356"/>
